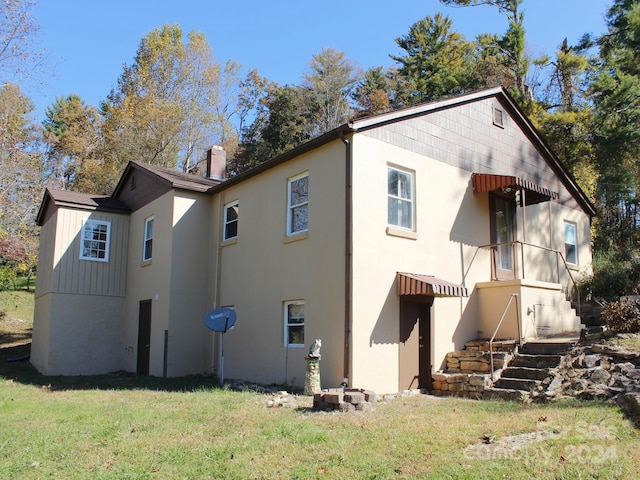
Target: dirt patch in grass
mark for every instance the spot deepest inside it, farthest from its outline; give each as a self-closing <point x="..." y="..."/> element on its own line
<point x="628" y="341"/>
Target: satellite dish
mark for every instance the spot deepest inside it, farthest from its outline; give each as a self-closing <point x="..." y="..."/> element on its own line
<point x="220" y="320"/>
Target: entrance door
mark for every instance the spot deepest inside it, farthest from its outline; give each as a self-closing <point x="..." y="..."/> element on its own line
<point x="503" y="231"/>
<point x="415" y="343"/>
<point x="144" y="337"/>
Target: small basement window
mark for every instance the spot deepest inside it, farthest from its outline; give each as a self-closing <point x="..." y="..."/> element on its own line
<point x="294" y="324"/>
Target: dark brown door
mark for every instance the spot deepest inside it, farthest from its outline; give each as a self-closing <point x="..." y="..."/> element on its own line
<point x="415" y="343"/>
<point x="144" y="337"/>
<point x="503" y="232"/>
<point x="424" y="345"/>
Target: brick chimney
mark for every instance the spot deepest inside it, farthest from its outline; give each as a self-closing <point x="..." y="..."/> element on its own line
<point x="216" y="163"/>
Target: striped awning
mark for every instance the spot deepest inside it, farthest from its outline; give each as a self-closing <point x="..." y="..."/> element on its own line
<point x="484" y="182"/>
<point x="416" y="284"/>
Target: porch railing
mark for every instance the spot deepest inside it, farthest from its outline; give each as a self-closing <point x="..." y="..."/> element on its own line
<point x="495" y="332"/>
<point x="570" y="289"/>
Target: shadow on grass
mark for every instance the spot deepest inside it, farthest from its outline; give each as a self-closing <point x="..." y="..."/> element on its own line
<point x="15" y="337"/>
<point x="15" y="365"/>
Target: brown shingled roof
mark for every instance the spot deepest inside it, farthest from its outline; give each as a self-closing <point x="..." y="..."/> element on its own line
<point x="82" y="201"/>
<point x="174" y="178"/>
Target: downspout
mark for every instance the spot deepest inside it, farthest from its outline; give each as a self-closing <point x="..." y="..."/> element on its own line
<point x="347" y="259"/>
<point x="216" y="342"/>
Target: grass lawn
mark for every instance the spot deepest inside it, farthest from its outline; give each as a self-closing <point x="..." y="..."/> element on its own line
<point x="124" y="427"/>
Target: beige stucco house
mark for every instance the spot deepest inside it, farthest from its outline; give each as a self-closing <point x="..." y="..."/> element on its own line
<point x="395" y="239"/>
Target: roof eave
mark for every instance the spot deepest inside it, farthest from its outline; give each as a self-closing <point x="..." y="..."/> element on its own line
<point x="312" y="144"/>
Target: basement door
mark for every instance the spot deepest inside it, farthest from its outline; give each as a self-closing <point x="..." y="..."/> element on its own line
<point x="144" y="337"/>
<point x="415" y="343"/>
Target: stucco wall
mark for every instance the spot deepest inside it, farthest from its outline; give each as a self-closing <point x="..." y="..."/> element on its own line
<point x="543" y="310"/>
<point x="82" y="332"/>
<point x="190" y="270"/>
<point x="451" y="223"/>
<point x="149" y="281"/>
<point x="448" y="221"/>
<point x="41" y="332"/>
<point x="263" y="268"/>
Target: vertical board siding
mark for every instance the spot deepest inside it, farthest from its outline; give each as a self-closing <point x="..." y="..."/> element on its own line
<point x="85" y="277"/>
<point x="46" y="250"/>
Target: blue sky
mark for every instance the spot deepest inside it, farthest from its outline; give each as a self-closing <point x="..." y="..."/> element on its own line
<point x="88" y="41"/>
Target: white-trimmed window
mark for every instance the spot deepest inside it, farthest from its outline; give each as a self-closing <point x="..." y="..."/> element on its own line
<point x="95" y="240"/>
<point x="298" y="204"/>
<point x="147" y="248"/>
<point x="294" y="324"/>
<point x="230" y="221"/>
<point x="400" y="198"/>
<point x="570" y="243"/>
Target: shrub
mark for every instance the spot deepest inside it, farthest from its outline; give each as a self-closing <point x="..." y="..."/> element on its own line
<point x="614" y="274"/>
<point x="623" y="316"/>
<point x="7" y="278"/>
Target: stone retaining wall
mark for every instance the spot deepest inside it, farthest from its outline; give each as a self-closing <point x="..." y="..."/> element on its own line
<point x="471" y="385"/>
<point x="468" y="371"/>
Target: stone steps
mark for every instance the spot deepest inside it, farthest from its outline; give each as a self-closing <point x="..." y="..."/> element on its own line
<point x="525" y="373"/>
<point x="531" y="365"/>
<point x="523" y="384"/>
<point x="541" y="347"/>
<point x="535" y="361"/>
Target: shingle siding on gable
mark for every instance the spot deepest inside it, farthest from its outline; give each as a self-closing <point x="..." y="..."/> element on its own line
<point x="147" y="188"/>
<point x="465" y="137"/>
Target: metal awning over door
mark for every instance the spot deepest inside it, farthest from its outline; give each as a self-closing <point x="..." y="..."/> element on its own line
<point x="484" y="182"/>
<point x="417" y="284"/>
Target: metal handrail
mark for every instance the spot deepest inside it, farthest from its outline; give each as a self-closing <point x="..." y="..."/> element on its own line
<point x="504" y="313"/>
<point x="551" y="250"/>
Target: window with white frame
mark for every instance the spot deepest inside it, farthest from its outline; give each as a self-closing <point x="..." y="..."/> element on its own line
<point x="95" y="240"/>
<point x="230" y="221"/>
<point x="294" y="324"/>
<point x="298" y="204"/>
<point x="400" y="198"/>
<point x="570" y="243"/>
<point x="147" y="249"/>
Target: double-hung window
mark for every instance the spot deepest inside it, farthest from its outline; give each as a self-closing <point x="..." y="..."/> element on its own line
<point x="147" y="248"/>
<point x="400" y="198"/>
<point x="298" y="204"/>
<point x="570" y="243"/>
<point x="95" y="241"/>
<point x="294" y="324"/>
<point x="230" y="221"/>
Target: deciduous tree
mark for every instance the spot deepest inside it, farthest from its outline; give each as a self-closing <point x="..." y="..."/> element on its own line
<point x="171" y="104"/>
<point x="72" y="132"/>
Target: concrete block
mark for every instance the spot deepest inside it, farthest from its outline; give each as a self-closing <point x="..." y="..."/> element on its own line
<point x="345" y="407"/>
<point x="354" y="397"/>
<point x="364" y="407"/>
<point x="370" y="396"/>
<point x="333" y="397"/>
